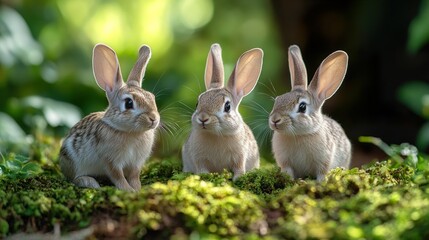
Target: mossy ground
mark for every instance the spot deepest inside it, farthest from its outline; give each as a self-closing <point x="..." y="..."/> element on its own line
<point x="382" y="201"/>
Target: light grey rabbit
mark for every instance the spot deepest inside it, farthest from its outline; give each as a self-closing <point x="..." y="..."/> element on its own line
<point x="305" y="141"/>
<point x="114" y="143"/>
<point x="219" y="138"/>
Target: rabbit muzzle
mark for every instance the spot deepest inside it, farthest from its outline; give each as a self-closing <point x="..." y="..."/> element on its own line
<point x="149" y="120"/>
<point x="275" y="121"/>
<point x="203" y="119"/>
<point x="281" y="123"/>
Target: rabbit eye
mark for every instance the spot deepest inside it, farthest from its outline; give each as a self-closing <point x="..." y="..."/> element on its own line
<point x="129" y="103"/>
<point x="302" y="107"/>
<point x="227" y="107"/>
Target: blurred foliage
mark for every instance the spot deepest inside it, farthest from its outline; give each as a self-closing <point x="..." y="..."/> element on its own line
<point x="382" y="200"/>
<point x="419" y="30"/>
<point x="46" y="80"/>
<point x="415" y="94"/>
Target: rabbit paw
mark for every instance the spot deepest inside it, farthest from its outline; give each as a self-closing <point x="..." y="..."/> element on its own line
<point x="289" y="172"/>
<point x="86" y="182"/>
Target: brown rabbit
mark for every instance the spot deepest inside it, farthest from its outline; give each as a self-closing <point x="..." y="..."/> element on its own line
<point x="114" y="143"/>
<point x="306" y="142"/>
<point x="219" y="138"/>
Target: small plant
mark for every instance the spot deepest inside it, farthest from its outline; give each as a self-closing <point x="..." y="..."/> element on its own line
<point x="403" y="153"/>
<point x="18" y="167"/>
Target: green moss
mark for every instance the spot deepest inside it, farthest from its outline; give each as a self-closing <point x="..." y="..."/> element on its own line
<point x="265" y="182"/>
<point x="190" y="204"/>
<point x="197" y="205"/>
<point x="159" y="170"/>
<point x="387" y="173"/>
<point x="373" y="203"/>
<point x="379" y="201"/>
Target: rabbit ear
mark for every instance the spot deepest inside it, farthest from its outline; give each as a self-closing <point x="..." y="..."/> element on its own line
<point x="137" y="73"/>
<point x="298" y="72"/>
<point x="214" y="75"/>
<point x="106" y="68"/>
<point x="246" y="73"/>
<point x="329" y="75"/>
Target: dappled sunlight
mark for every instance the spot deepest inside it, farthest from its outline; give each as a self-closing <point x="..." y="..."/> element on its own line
<point x="108" y="25"/>
<point x="193" y="14"/>
<point x="150" y="22"/>
<point x="153" y="27"/>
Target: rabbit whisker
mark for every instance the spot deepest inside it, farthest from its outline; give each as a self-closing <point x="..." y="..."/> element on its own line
<point x="270" y="88"/>
<point x="161" y="93"/>
<point x="263" y="136"/>
<point x="199" y="83"/>
<point x="267" y="95"/>
<point x="192" y="90"/>
<point x="156" y="84"/>
<point x="186" y="106"/>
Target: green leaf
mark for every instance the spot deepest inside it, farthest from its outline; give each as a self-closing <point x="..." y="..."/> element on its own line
<point x="17" y="42"/>
<point x="423" y="137"/>
<point x="414" y="95"/>
<point x="418" y="33"/>
<point x="13" y="165"/>
<point x="55" y="112"/>
<point x="19" y="158"/>
<point x="382" y="145"/>
<point x="4" y="227"/>
<point x="32" y="168"/>
<point x="10" y="131"/>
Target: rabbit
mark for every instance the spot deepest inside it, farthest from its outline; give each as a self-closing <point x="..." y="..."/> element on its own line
<point x="117" y="142"/>
<point x="219" y="138"/>
<point x="305" y="141"/>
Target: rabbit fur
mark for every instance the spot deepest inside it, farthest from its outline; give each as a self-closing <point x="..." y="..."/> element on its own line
<point x="305" y="141"/>
<point x="113" y="144"/>
<point x="219" y="138"/>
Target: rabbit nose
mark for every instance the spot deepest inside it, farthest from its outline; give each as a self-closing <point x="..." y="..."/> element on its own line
<point x="275" y="122"/>
<point x="153" y="120"/>
<point x="203" y="119"/>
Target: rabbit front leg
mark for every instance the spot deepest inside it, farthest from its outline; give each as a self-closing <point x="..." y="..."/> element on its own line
<point x="289" y="171"/>
<point x="239" y="168"/>
<point x="322" y="170"/>
<point x="116" y="175"/>
<point x="201" y="166"/>
<point x="238" y="173"/>
<point x="189" y="164"/>
<point x="320" y="176"/>
<point x="133" y="174"/>
<point x="285" y="167"/>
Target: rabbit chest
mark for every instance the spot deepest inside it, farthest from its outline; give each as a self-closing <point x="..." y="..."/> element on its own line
<point x="307" y="155"/>
<point x="120" y="148"/>
<point x="215" y="153"/>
